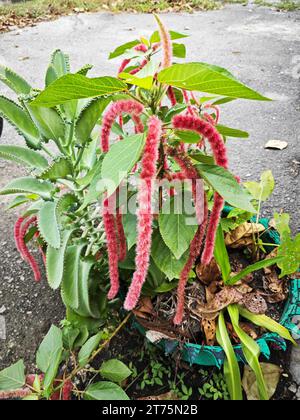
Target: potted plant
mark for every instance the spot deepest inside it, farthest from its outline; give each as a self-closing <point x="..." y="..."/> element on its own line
<point x="149" y="206"/>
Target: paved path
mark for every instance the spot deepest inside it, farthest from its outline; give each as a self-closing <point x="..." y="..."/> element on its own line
<point x="260" y="46"/>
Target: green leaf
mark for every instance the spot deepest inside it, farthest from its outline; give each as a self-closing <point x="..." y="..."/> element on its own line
<point x="58" y="169"/>
<point x="282" y="223"/>
<point x="231" y="367"/>
<point x="175" y="231"/>
<point x="23" y="156"/>
<point x="51" y="344"/>
<point x="12" y="377"/>
<point x="221" y="254"/>
<point x="130" y="229"/>
<point x="89" y="118"/>
<point x="17" y="201"/>
<point x="206" y="78"/>
<point x="202" y="158"/>
<point x="48" y="121"/>
<point x="188" y="136"/>
<point x="60" y="63"/>
<point x="177" y="109"/>
<point x="50" y="374"/>
<point x="28" y="185"/>
<point x="231" y="132"/>
<point x="164" y="258"/>
<point x="251" y="352"/>
<point x="289" y="250"/>
<point x="70" y="293"/>
<point x="55" y="261"/>
<point x="105" y="391"/>
<point x="14" y="81"/>
<point x="179" y="50"/>
<point x="263" y="190"/>
<point x="123" y="48"/>
<point x="155" y="37"/>
<point x="114" y="370"/>
<point x="88" y="348"/>
<point x="48" y="224"/>
<point x="18" y="118"/>
<point x="76" y="86"/>
<point x="227" y="186"/>
<point x="120" y="160"/>
<point x="254" y="267"/>
<point x="269" y="324"/>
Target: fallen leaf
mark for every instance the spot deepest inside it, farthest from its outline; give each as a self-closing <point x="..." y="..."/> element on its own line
<point x="255" y="303"/>
<point x="271" y="374"/>
<point x="276" y="144"/>
<point x="208" y="273"/>
<point x="242" y="236"/>
<point x="156" y="336"/>
<point x="209" y="328"/>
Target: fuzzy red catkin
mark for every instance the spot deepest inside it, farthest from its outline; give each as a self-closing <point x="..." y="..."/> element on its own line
<point x="17" y="233"/>
<point x="118" y="108"/>
<point x="26" y="255"/>
<point x="145" y="216"/>
<point x="166" y="44"/>
<point x="220" y="155"/>
<point x="121" y="236"/>
<point x="217" y="111"/>
<point x="171" y="96"/>
<point x="123" y="65"/>
<point x="112" y="248"/>
<point x="195" y="249"/>
<point x="189" y="172"/>
<point x="140" y="67"/>
<point x="193" y="123"/>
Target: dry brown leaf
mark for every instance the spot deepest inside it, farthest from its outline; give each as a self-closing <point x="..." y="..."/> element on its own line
<point x="243" y="235"/>
<point x="255" y="303"/>
<point x="144" y="309"/>
<point x="208" y="273"/>
<point x="221" y="300"/>
<point x="249" y="330"/>
<point x="209" y="329"/>
<point x="271" y="374"/>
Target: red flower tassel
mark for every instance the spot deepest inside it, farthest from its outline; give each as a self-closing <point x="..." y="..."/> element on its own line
<point x="121" y="236"/>
<point x="166" y="44"/>
<point x="112" y="248"/>
<point x="145" y="216"/>
<point x="220" y="154"/>
<point x="118" y="108"/>
<point x="171" y="96"/>
<point x="20" y="233"/>
<point x="195" y="250"/>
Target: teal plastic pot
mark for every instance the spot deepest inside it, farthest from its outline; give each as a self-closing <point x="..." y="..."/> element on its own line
<point x="214" y="355"/>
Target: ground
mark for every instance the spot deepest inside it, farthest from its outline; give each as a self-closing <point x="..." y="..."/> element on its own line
<point x="259" y="45"/>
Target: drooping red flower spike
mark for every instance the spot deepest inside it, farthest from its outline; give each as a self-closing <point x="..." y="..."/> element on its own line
<point x="145" y="216"/>
<point x="121" y="236"/>
<point x="17" y="232"/>
<point x="189" y="172"/>
<point x="112" y="248"/>
<point x="208" y="131"/>
<point x="166" y="44"/>
<point x="171" y="96"/>
<point x="195" y="250"/>
<point x="212" y="229"/>
<point x="118" y="108"/>
<point x="21" y="229"/>
<point x="217" y="111"/>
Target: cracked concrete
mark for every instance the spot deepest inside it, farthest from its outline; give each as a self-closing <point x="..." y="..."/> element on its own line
<point x="260" y="46"/>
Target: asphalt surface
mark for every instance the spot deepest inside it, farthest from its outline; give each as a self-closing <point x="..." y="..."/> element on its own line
<point x="260" y="46"/>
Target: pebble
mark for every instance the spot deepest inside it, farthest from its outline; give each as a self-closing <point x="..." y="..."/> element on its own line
<point x="2" y="310"/>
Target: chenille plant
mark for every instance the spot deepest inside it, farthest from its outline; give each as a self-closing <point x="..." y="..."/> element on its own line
<point x="165" y="117"/>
